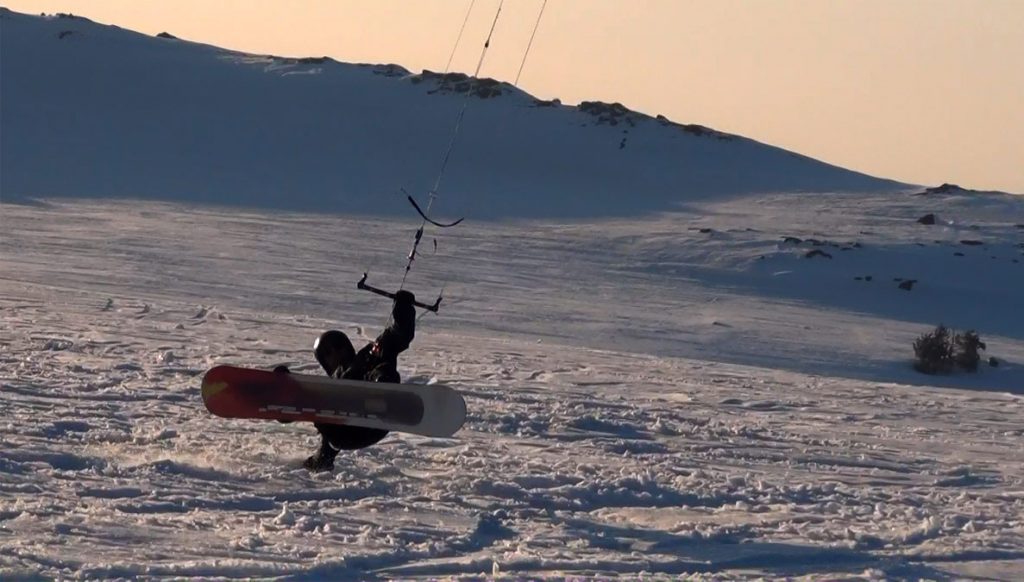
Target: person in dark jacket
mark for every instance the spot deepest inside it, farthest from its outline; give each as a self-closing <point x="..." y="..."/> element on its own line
<point x="377" y="361"/>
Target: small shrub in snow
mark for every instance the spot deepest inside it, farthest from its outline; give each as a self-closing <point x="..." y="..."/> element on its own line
<point x="934" y="352"/>
<point x="965" y="350"/>
<point x="942" y="350"/>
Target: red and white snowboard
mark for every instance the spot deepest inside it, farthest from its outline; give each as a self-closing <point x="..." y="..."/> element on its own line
<point x="429" y="409"/>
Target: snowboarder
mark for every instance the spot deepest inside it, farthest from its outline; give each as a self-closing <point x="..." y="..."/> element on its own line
<point x="376" y="362"/>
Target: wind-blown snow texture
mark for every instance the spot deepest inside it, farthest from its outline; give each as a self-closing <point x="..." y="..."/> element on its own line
<point x="126" y="115"/>
<point x="643" y="396"/>
<point x="684" y="393"/>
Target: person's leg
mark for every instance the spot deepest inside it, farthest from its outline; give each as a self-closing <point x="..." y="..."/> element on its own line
<point x="350" y="438"/>
<point x="323" y="460"/>
<point x="335" y="438"/>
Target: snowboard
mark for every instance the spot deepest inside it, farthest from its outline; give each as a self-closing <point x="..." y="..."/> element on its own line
<point x="429" y="410"/>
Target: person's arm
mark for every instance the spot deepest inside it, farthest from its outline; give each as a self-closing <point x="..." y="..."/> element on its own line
<point x="396" y="338"/>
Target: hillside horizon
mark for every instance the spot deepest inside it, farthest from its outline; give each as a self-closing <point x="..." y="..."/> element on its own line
<point x="155" y="117"/>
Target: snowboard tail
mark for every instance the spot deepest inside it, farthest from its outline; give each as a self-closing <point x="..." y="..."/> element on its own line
<point x="429" y="410"/>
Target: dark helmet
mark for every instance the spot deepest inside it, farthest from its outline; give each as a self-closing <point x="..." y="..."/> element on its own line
<point x="333" y="349"/>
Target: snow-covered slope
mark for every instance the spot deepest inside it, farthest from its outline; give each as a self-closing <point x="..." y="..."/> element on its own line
<point x="97" y="111"/>
<point x="723" y="391"/>
<point x="644" y="395"/>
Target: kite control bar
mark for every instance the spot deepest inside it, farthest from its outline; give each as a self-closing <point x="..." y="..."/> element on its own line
<point x="412" y="255"/>
<point x="362" y="285"/>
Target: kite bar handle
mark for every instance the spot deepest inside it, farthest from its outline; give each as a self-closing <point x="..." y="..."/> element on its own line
<point x="362" y="285"/>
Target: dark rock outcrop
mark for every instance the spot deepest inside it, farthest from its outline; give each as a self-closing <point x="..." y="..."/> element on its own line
<point x="389" y="70"/>
<point x="907" y="285"/>
<point x="615" y="113"/>
<point x="482" y="87"/>
<point x="943" y="189"/>
<point x="544" y="103"/>
<point x="609" y="113"/>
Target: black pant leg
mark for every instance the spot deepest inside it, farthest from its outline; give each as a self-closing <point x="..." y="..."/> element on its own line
<point x="349" y="438"/>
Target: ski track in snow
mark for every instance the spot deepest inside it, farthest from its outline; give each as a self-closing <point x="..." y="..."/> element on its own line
<point x="579" y="457"/>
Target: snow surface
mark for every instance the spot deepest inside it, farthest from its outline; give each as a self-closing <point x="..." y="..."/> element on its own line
<point x="652" y="394"/>
<point x="643" y="396"/>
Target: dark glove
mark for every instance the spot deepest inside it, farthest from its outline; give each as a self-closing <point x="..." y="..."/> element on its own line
<point x="282" y="369"/>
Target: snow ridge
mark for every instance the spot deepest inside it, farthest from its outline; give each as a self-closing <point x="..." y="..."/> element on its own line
<point x="125" y="115"/>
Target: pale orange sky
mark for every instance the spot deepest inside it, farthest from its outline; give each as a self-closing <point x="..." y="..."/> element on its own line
<point x="924" y="91"/>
